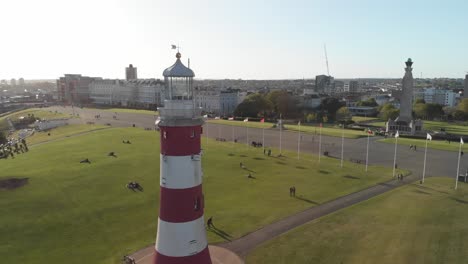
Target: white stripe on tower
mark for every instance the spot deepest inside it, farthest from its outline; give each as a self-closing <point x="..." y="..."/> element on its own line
<point x="180" y="172"/>
<point x="181" y="239"/>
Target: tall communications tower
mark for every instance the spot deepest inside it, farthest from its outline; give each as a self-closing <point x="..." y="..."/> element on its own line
<point x="181" y="236"/>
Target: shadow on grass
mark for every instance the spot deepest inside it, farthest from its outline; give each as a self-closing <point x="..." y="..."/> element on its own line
<point x="243" y="156"/>
<point x="422" y="192"/>
<point x="324" y="172"/>
<point x="231" y="154"/>
<point x="281" y="163"/>
<point x="428" y="188"/>
<point x="305" y="200"/>
<point x="459" y="200"/>
<point x="300" y="167"/>
<point x="220" y="233"/>
<point x="351" y="177"/>
<point x="249" y="170"/>
<point x="257" y="158"/>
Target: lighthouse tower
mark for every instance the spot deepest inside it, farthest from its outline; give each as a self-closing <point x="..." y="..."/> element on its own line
<point x="181" y="234"/>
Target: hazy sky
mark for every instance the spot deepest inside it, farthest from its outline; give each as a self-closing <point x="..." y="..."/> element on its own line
<point x="233" y="39"/>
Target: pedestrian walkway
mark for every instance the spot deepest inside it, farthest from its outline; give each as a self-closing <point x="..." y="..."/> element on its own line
<point x="233" y="252"/>
<point x="247" y="243"/>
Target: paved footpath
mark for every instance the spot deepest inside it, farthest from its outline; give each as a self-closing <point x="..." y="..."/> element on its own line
<point x="243" y="246"/>
<point x="247" y="243"/>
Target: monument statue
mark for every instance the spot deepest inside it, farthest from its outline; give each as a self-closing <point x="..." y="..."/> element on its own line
<point x="406" y="101"/>
<point x="405" y="123"/>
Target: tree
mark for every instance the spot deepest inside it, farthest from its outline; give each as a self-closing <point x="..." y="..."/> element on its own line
<point x="463" y="106"/>
<point x="388" y="111"/>
<point x="369" y="102"/>
<point x="419" y="101"/>
<point x="3" y="138"/>
<point x="343" y="114"/>
<point x="253" y="105"/>
<point x="330" y="105"/>
<point x="283" y="103"/>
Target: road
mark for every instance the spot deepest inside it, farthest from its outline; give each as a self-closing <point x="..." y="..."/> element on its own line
<point x="439" y="162"/>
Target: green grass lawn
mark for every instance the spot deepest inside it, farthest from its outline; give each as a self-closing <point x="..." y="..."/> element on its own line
<point x="71" y="212"/>
<point x="61" y="132"/>
<point x="326" y="130"/>
<point x="421" y="143"/>
<point x="37" y="112"/>
<point x="134" y="111"/>
<point x="412" y="224"/>
<point x="363" y="119"/>
<point x="452" y="128"/>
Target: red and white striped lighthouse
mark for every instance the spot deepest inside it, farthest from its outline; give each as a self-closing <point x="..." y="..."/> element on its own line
<point x="181" y="234"/>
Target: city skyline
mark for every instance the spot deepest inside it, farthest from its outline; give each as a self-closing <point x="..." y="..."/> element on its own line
<point x="236" y="40"/>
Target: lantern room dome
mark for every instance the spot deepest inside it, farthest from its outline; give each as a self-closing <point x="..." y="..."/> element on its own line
<point x="178" y="69"/>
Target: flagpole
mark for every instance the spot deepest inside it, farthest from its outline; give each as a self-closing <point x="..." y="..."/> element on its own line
<point x="458" y="165"/>
<point x="233" y="138"/>
<point x="281" y="134"/>
<point x="394" y="158"/>
<point x="263" y="139"/>
<point x="320" y="142"/>
<point x="367" y="150"/>
<point x="299" y="141"/>
<point x="342" y="145"/>
<point x="424" y="167"/>
<point x="247" y="136"/>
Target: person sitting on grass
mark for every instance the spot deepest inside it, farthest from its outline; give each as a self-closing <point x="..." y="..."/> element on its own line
<point x="85" y="161"/>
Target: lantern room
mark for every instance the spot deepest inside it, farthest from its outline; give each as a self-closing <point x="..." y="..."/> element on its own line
<point x="179" y="81"/>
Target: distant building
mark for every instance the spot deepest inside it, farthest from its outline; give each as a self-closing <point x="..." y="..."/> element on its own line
<point x="13" y="82"/>
<point x="362" y="110"/>
<point x="436" y="96"/>
<point x="217" y="101"/>
<point x="145" y="93"/>
<point x="465" y="94"/>
<point x="131" y="73"/>
<point x="21" y="82"/>
<point x="324" y="84"/>
<point x="353" y="86"/>
<point x="74" y="88"/>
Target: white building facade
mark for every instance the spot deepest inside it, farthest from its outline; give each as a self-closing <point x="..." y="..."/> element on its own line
<point x="219" y="102"/>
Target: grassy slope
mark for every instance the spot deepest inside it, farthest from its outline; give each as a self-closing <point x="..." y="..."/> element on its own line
<point x="363" y="119"/>
<point x="82" y="212"/>
<point x="412" y="224"/>
<point x="61" y="132"/>
<point x="327" y="131"/>
<point x="43" y="114"/>
<point x="436" y="126"/>
<point x="421" y="143"/>
<point x="135" y="111"/>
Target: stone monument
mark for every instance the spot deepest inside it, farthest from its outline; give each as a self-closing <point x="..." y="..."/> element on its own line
<point x="405" y="123"/>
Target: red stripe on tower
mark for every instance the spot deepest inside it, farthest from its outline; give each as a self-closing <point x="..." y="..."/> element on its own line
<point x="181" y="205"/>
<point x="180" y="141"/>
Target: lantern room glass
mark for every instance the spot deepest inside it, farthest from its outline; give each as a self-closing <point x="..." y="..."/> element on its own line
<point x="179" y="88"/>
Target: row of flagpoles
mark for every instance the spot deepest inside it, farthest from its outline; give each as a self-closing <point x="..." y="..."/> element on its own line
<point x="369" y="132"/>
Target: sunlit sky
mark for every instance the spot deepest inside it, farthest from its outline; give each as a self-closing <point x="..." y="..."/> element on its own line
<point x="233" y="39"/>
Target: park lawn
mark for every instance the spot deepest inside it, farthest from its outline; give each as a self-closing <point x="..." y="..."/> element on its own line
<point x="363" y="119"/>
<point x="134" y="111"/>
<point x="451" y="128"/>
<point x="421" y="143"/>
<point x="38" y="113"/>
<point x="82" y="212"/>
<point x="42" y="114"/>
<point x="326" y="131"/>
<point x="412" y="224"/>
<point x="61" y="132"/>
